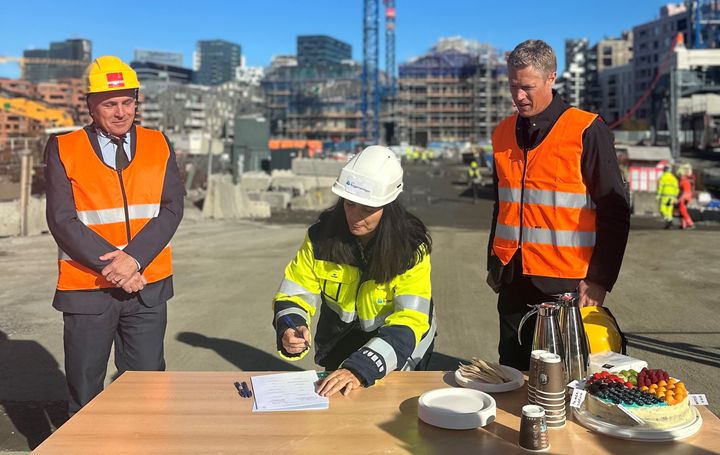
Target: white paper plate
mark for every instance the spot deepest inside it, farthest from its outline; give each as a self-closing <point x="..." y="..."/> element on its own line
<point x="638" y="433"/>
<point x="456" y="409"/>
<point x="517" y="381"/>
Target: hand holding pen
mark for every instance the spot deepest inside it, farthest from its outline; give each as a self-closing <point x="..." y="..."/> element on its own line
<point x="295" y="339"/>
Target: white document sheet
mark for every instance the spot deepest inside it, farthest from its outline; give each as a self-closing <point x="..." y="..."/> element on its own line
<point x="287" y="392"/>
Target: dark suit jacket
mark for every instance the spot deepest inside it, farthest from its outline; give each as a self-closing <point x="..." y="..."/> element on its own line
<point x="85" y="246"/>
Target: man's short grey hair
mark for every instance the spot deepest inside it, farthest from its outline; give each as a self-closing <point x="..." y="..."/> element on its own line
<point x="535" y="53"/>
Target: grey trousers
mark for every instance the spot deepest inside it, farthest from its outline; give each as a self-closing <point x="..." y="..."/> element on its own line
<point x="137" y="331"/>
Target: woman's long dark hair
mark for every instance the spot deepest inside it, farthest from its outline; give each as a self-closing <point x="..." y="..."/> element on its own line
<point x="395" y="248"/>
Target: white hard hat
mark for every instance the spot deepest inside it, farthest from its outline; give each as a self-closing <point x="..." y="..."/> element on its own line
<point x="373" y="177"/>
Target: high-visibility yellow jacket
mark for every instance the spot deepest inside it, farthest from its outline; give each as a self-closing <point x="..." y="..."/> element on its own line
<point x="398" y="315"/>
<point x="544" y="206"/>
<point x="668" y="185"/>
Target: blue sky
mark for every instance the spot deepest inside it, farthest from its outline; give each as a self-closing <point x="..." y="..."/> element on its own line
<point x="267" y="28"/>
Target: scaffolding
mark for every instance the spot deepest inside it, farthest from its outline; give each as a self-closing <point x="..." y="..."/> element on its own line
<point x="705" y="15"/>
<point x="314" y="102"/>
<point x="454" y="93"/>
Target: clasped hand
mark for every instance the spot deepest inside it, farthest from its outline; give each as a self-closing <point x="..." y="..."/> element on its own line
<point x="123" y="271"/>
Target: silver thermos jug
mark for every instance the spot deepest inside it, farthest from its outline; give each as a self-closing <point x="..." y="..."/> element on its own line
<point x="547" y="328"/>
<point x="576" y="356"/>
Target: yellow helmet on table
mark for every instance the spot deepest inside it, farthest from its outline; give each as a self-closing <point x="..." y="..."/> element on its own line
<point x="602" y="330"/>
<point x="108" y="73"/>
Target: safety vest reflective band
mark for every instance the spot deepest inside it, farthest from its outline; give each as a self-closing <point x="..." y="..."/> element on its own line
<point x="114" y="205"/>
<point x="543" y="204"/>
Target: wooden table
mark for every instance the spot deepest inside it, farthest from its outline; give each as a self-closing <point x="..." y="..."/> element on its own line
<point x="201" y="412"/>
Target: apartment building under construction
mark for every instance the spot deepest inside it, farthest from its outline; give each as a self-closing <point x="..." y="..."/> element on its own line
<point x="455" y="92"/>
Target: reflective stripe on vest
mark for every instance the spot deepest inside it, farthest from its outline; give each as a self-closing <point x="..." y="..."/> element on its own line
<point x="290" y="288"/>
<point x="117" y="215"/>
<point x="544" y="197"/>
<point x="101" y="201"/>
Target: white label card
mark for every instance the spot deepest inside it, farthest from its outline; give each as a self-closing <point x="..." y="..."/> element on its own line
<point x="574" y="384"/>
<point x="577" y="398"/>
<point x="631" y="415"/>
<point x="698" y="399"/>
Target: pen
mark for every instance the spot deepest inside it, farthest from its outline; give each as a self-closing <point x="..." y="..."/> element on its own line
<point x="240" y="389"/>
<point x="292" y="325"/>
<point x="248" y="393"/>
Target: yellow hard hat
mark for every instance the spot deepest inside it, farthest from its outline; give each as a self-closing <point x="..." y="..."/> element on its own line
<point x="602" y="330"/>
<point x="473" y="164"/>
<point x="109" y="73"/>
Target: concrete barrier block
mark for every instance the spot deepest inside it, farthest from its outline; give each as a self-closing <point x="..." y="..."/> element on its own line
<point x="315" y="200"/>
<point x="255" y="181"/>
<point x="278" y="200"/>
<point x="645" y="204"/>
<point x="290" y="183"/>
<point x="309" y="166"/>
<point x="37" y="222"/>
<point x="320" y="182"/>
<point x="10" y="218"/>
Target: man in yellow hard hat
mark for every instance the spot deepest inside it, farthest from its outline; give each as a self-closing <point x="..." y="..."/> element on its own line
<point x="114" y="201"/>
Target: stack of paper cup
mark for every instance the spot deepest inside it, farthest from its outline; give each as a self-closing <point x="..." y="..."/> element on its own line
<point x="550" y="390"/>
<point x="533" y="374"/>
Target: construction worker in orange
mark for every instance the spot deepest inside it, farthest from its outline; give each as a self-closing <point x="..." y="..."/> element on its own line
<point x="561" y="217"/>
<point x="114" y="201"/>
<point x="667" y="195"/>
<point x="685" y="175"/>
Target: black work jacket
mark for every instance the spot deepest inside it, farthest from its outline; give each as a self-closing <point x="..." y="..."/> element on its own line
<point x="607" y="189"/>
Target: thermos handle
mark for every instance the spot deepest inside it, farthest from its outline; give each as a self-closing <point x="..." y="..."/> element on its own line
<point x="522" y="321"/>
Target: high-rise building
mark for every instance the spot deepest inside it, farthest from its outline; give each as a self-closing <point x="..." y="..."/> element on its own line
<point x="616" y="91"/>
<point x="36" y="72"/>
<point x="158" y="57"/>
<point x="68" y="51"/>
<point x="572" y="81"/>
<point x="609" y="94"/>
<point x="321" y="50"/>
<point x="652" y="47"/>
<point x="215" y="61"/>
<point x="161" y="72"/>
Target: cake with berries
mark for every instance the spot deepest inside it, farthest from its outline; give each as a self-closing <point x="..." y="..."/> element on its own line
<point x="652" y="396"/>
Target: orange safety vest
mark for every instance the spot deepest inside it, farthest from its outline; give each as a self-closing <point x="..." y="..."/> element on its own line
<point x="544" y="207"/>
<point x="116" y="205"/>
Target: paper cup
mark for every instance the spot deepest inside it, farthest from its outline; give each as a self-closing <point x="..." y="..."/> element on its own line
<point x="533" y="430"/>
<point x="533" y="369"/>
<point x="551" y="374"/>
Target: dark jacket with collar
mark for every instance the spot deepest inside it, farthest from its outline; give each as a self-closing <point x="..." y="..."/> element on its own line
<point x="601" y="174"/>
<point x="85" y="246"/>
